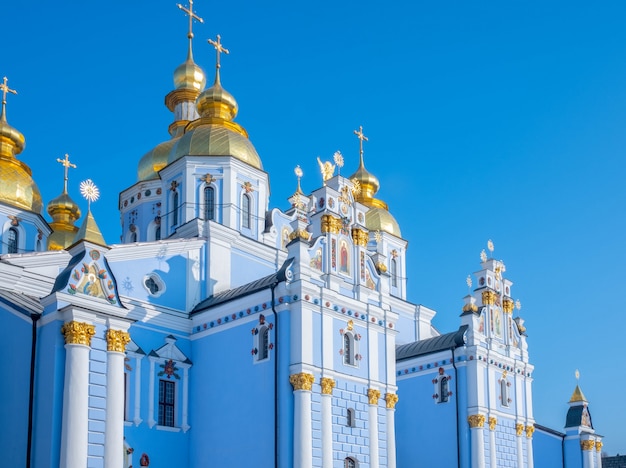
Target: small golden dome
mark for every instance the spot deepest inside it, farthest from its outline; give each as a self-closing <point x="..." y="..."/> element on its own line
<point x="63" y="209"/>
<point x="18" y="187"/>
<point x="217" y="102"/>
<point x="369" y="182"/>
<point x="379" y="219"/>
<point x="154" y="160"/>
<point x="188" y="75"/>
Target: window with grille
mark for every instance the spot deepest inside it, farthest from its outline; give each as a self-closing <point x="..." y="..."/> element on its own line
<point x="209" y="203"/>
<point x="167" y="394"/>
<point x="12" y="238"/>
<point x="245" y="211"/>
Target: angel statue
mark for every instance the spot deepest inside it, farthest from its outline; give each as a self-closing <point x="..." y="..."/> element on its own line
<point x="327" y="169"/>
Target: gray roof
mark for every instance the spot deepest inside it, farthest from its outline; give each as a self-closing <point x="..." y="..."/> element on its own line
<point x="22" y="302"/>
<point x="539" y="427"/>
<point x="246" y="289"/>
<point x="431" y="345"/>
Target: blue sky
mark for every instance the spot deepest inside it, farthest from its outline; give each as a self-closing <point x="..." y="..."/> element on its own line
<point x="486" y="120"/>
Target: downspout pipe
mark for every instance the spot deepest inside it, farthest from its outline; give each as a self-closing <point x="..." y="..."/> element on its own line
<point x="276" y="348"/>
<point x="31" y="395"/>
<point x="456" y="401"/>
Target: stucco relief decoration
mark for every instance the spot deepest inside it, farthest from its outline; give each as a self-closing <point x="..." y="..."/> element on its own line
<point x="476" y="420"/>
<point x="247" y="186"/>
<point x="372" y="396"/>
<point x="529" y="431"/>
<point x="92" y="280"/>
<point x="327" y="385"/>
<point x="117" y="340"/>
<point x="78" y="333"/>
<point x="519" y="429"/>
<point x="302" y="381"/>
<point x="169" y="369"/>
<point x="587" y="444"/>
<point x="391" y="399"/>
<point x="492" y="423"/>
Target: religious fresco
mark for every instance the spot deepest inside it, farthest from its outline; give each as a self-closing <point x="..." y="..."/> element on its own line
<point x="344" y="257"/>
<point x="91" y="280"/>
<point x="316" y="260"/>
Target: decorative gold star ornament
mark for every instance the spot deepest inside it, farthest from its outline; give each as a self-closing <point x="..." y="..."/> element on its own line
<point x="89" y="191"/>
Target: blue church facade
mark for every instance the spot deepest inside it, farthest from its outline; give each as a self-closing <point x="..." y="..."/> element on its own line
<point x="222" y="332"/>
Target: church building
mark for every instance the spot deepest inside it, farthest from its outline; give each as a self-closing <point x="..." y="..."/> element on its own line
<point x="222" y="332"/>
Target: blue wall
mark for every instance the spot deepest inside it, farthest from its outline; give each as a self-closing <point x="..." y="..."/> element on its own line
<point x="547" y="449"/>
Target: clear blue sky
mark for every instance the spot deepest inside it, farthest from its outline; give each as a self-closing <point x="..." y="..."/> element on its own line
<point x="486" y="119"/>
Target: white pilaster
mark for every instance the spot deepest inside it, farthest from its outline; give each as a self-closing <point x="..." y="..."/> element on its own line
<point x="74" y="426"/>
<point x="476" y="422"/>
<point x="598" y="454"/>
<point x="302" y="429"/>
<point x="391" y="400"/>
<point x="185" y="426"/>
<point x="373" y="396"/>
<point x="327" y="423"/>
<point x="151" y="421"/>
<point x="588" y="453"/>
<point x="114" y="416"/>
<point x="136" y="418"/>
<point x="493" y="458"/>
<point x="520" y="446"/>
<point x="530" y="463"/>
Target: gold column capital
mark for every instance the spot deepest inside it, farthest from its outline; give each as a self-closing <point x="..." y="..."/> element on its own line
<point x="391" y="399"/>
<point x="598" y="446"/>
<point x="529" y="431"/>
<point x="330" y="224"/>
<point x="476" y="420"/>
<point x="327" y="385"/>
<point x="519" y="429"/>
<point x="117" y="340"/>
<point x="493" y="421"/>
<point x="508" y="305"/>
<point x="78" y="332"/>
<point x="302" y="381"/>
<point x="587" y="444"/>
<point x="359" y="237"/>
<point x="489" y="297"/>
<point x="373" y="395"/>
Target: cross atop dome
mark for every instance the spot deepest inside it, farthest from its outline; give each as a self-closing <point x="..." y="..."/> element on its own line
<point x="359" y="134"/>
<point x="66" y="166"/>
<point x="5" y="89"/>
<point x="219" y="49"/>
<point x="192" y="16"/>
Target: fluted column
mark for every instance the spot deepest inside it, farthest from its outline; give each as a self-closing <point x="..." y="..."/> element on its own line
<point x="327" y="422"/>
<point x="598" y="454"/>
<point x="493" y="459"/>
<point x="74" y="426"/>
<point x="588" y="447"/>
<point x="476" y="423"/>
<point x="391" y="399"/>
<point x="372" y="396"/>
<point x="114" y="419"/>
<point x="519" y="432"/>
<point x="529" y="446"/>
<point x="302" y="431"/>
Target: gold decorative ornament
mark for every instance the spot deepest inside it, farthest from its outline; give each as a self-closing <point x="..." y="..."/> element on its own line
<point x="302" y="381"/>
<point x="338" y="158"/>
<point x="207" y="178"/>
<point x="587" y="444"/>
<point x="391" y="399"/>
<point x="356" y="188"/>
<point x="300" y="234"/>
<point x="468" y="281"/>
<point x="298" y="172"/>
<point x="346" y="195"/>
<point x="598" y="446"/>
<point x="192" y="16"/>
<point x="508" y="306"/>
<point x="117" y="340"/>
<point x="330" y="224"/>
<point x="327" y="385"/>
<point x="372" y="396"/>
<point x="529" y="431"/>
<point x="327" y="169"/>
<point x="490" y="246"/>
<point x="78" y="332"/>
<point x="476" y="420"/>
<point x="360" y="237"/>
<point x="350" y="325"/>
<point x="493" y="421"/>
<point x="483" y="256"/>
<point x="219" y="49"/>
<point x="89" y="191"/>
<point x="519" y="429"/>
<point x="489" y="297"/>
<point x="378" y="237"/>
<point x="381" y="267"/>
<point x="518" y="305"/>
<point x="469" y="307"/>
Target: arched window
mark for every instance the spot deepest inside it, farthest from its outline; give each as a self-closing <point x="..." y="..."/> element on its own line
<point x="350" y="463"/>
<point x="133" y="236"/>
<point x="350" y="417"/>
<point x="264" y="343"/>
<point x="443" y="389"/>
<point x="245" y="211"/>
<point x="348" y="349"/>
<point x="209" y="203"/>
<point x="393" y="271"/>
<point x="38" y="246"/>
<point x="504" y="392"/>
<point x="157" y="233"/>
<point x="175" y="209"/>
<point x="12" y="240"/>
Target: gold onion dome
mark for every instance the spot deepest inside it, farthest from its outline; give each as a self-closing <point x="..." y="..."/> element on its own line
<point x="17" y="187"/>
<point x="188" y="75"/>
<point x="377" y="217"/>
<point x="154" y="160"/>
<point x="215" y="133"/>
<point x="64" y="213"/>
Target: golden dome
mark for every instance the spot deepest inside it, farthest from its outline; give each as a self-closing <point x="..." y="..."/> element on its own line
<point x="154" y="160"/>
<point x="215" y="133"/>
<point x="188" y="75"/>
<point x="18" y="187"/>
<point x="369" y="182"/>
<point x="379" y="219"/>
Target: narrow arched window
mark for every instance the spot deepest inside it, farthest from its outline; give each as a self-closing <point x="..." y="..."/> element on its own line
<point x="12" y="240"/>
<point x="443" y="389"/>
<point x="157" y="233"/>
<point x="209" y="203"/>
<point x="504" y="392"/>
<point x="349" y="463"/>
<point x="350" y="417"/>
<point x="348" y="349"/>
<point x="394" y="272"/>
<point x="245" y="211"/>
<point x="175" y="209"/>
<point x="133" y="236"/>
<point x="264" y="343"/>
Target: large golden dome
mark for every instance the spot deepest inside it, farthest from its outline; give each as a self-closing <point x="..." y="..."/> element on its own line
<point x="379" y="219"/>
<point x="154" y="160"/>
<point x="215" y="133"/>
<point x="17" y="187"/>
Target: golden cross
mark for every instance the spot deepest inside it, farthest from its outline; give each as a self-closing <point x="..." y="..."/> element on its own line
<point x="66" y="164"/>
<point x="218" y="49"/>
<point x="5" y="89"/>
<point x="192" y="16"/>
<point x="359" y="134"/>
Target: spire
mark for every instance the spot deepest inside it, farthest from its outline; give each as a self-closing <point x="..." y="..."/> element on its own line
<point x="64" y="213"/>
<point x="89" y="231"/>
<point x="577" y="396"/>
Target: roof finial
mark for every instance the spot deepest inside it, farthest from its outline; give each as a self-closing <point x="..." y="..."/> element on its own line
<point x="5" y="89"/>
<point x="359" y="134"/>
<point x="577" y="375"/>
<point x="218" y="50"/>
<point x="192" y="16"/>
<point x="89" y="191"/>
<point x="66" y="164"/>
<point x="298" y="172"/>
